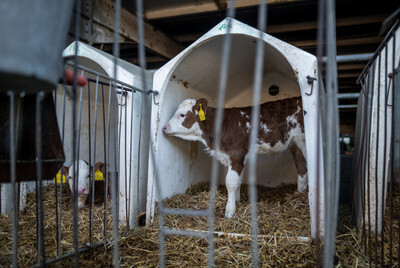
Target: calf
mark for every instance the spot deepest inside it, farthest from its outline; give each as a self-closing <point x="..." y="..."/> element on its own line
<point x="281" y="127"/>
<point x="84" y="186"/>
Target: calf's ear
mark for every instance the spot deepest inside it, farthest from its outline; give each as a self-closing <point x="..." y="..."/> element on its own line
<point x="99" y="166"/>
<point x="65" y="171"/>
<point x="203" y="102"/>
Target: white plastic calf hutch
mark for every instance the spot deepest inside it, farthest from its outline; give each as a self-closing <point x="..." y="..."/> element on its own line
<point x="194" y="73"/>
<point x="132" y="169"/>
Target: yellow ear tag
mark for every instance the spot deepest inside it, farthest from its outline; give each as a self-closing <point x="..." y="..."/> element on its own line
<point x="202" y="114"/>
<point x="57" y="179"/>
<point x="98" y="176"/>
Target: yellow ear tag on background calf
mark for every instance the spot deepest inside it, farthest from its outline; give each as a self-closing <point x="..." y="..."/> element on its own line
<point x="58" y="178"/>
<point x="202" y="114"/>
<point x="98" y="176"/>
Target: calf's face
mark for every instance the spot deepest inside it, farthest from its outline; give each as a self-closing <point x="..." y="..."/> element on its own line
<point x="184" y="123"/>
<point x="82" y="180"/>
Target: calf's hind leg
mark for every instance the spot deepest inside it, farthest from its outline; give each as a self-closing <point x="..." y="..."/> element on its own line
<point x="301" y="165"/>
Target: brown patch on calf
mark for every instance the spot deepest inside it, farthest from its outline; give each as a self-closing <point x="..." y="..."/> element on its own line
<point x="234" y="132"/>
<point x="274" y="115"/>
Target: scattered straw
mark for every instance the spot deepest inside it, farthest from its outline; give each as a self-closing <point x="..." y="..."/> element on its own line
<point x="283" y="217"/>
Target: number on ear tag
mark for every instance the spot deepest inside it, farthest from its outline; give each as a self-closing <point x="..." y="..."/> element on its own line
<point x="202" y="114"/>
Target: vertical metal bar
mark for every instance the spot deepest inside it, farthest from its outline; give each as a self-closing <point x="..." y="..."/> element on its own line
<point x="38" y="148"/>
<point x="384" y="155"/>
<point x="332" y="139"/>
<point x="320" y="93"/>
<point x="396" y="134"/>
<point x="143" y="106"/>
<point x="61" y="185"/>
<point x="370" y="108"/>
<point x="94" y="156"/>
<point x="377" y="162"/>
<point x="258" y="79"/>
<point x="74" y="157"/>
<point x="91" y="171"/>
<point x="226" y="49"/>
<point x="127" y="197"/>
<point x="113" y="185"/>
<point x="130" y="157"/>
<point x="108" y="153"/>
<point x="105" y="164"/>
<point x="13" y="172"/>
<point x="364" y="161"/>
<point x="142" y="64"/>
<point x="55" y="180"/>
<point x="390" y="146"/>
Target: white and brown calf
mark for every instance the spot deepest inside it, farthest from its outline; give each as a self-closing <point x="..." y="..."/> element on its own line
<point x="281" y="127"/>
<point x="83" y="181"/>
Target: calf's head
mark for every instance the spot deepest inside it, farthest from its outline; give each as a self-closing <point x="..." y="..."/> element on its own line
<point x="82" y="171"/>
<point x="185" y="123"/>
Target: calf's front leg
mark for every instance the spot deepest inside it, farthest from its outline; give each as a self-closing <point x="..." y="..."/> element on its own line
<point x="233" y="181"/>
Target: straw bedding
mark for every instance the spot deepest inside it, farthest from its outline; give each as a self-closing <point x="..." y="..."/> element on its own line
<point x="283" y="213"/>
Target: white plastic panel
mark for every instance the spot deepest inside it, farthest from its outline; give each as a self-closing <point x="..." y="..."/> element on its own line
<point x="195" y="72"/>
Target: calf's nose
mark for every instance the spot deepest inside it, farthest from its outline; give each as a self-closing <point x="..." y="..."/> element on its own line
<point x="166" y="128"/>
<point x="82" y="190"/>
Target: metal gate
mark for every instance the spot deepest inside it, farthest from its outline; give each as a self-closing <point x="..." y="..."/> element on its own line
<point x="104" y="98"/>
<point x="376" y="154"/>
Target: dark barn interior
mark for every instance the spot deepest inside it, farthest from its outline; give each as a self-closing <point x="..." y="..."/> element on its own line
<point x="173" y="25"/>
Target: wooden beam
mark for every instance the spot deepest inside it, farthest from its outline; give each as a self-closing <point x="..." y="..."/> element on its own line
<point x="311" y="25"/>
<point x="196" y="7"/>
<point x="157" y="41"/>
<point x="340" y="42"/>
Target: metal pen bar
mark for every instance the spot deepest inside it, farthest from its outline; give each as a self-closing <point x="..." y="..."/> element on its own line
<point x="71" y="254"/>
<point x="396" y="134"/>
<point x="108" y="155"/>
<point x="185" y="212"/>
<point x="380" y="48"/>
<point x="332" y="138"/>
<point x="143" y="106"/>
<point x="131" y="162"/>
<point x="94" y="152"/>
<point x="38" y="148"/>
<point x="74" y="134"/>
<point x="320" y="93"/>
<point x="91" y="172"/>
<point x="142" y="64"/>
<point x="55" y="178"/>
<point x="364" y="161"/>
<point x="168" y="231"/>
<point x="117" y="7"/>
<point x="125" y="158"/>
<point x="111" y="79"/>
<point x="61" y="175"/>
<point x="13" y="172"/>
<point x="376" y="160"/>
<point x="223" y="79"/>
<point x="384" y="161"/>
<point x="370" y="107"/>
<point x="105" y="165"/>
<point x="129" y="194"/>
<point x="351" y="57"/>
<point x="258" y="79"/>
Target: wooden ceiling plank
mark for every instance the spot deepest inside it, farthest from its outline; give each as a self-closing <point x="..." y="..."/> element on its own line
<point x="159" y="42"/>
<point x="194" y="7"/>
<point x="310" y="25"/>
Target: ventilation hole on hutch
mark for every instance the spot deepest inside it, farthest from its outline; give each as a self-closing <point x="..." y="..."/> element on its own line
<point x="273" y="90"/>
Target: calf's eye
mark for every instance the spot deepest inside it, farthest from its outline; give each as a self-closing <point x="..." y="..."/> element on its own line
<point x="182" y="115"/>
